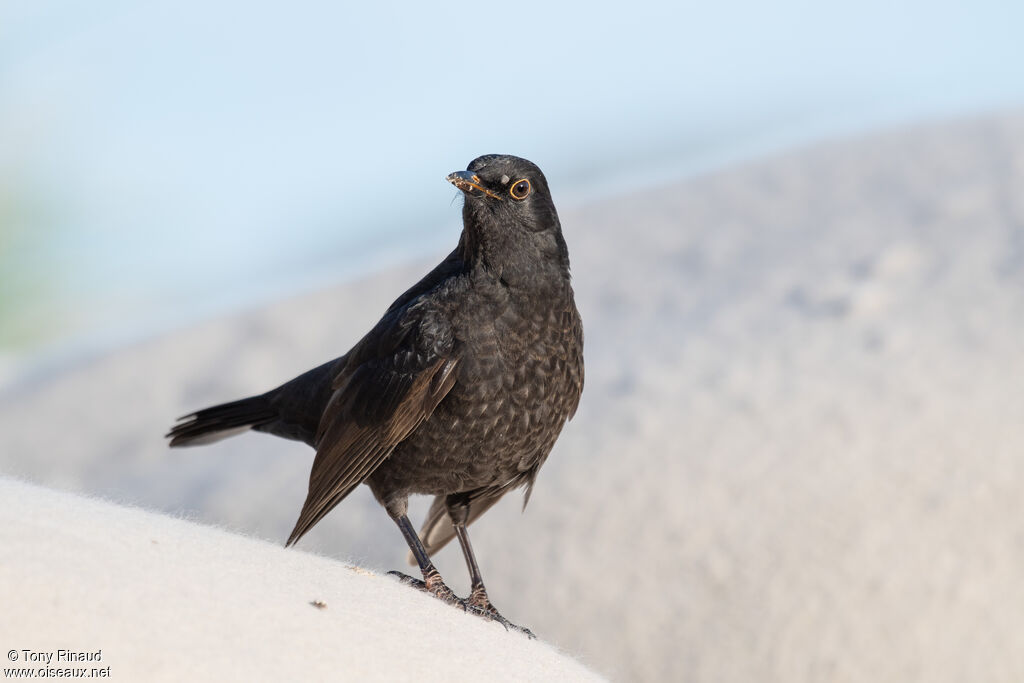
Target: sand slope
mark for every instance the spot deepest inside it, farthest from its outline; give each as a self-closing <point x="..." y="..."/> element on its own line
<point x="799" y="454"/>
<point x="164" y="599"/>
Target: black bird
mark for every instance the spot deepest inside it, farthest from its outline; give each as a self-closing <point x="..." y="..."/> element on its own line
<point x="458" y="392"/>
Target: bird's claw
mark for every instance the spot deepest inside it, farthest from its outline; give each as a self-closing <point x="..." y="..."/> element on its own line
<point x="488" y="612"/>
<point x="435" y="587"/>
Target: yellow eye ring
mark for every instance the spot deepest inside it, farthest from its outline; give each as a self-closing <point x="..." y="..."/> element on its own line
<point x="520" y="189"/>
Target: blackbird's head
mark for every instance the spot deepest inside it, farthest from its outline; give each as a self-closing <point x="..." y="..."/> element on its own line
<point x="508" y="201"/>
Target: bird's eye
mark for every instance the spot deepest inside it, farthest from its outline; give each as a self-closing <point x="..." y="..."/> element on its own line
<point x="520" y="189"/>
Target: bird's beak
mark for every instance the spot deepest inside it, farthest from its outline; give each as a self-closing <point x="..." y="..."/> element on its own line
<point x="469" y="183"/>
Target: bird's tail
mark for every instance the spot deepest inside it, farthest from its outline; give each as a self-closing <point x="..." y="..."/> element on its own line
<point x="219" y="422"/>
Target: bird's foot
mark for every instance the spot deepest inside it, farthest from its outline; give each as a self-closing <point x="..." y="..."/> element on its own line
<point x="480" y="605"/>
<point x="477" y="603"/>
<point x="433" y="584"/>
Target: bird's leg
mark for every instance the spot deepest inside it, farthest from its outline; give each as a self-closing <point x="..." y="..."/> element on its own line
<point x="478" y="593"/>
<point x="458" y="510"/>
<point x="432" y="582"/>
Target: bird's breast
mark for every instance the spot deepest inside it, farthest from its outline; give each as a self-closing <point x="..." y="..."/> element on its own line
<point x="520" y="372"/>
<point x="516" y="373"/>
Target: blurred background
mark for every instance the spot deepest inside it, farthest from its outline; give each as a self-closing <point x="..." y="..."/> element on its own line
<point x="797" y="235"/>
<point x="164" y="162"/>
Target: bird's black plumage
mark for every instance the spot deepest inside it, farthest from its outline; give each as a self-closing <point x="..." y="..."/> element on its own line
<point x="461" y="388"/>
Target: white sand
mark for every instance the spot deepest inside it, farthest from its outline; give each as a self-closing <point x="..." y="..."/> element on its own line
<point x="799" y="454"/>
<point x="167" y="600"/>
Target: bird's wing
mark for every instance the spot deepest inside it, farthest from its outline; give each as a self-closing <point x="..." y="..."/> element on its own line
<point x="394" y="378"/>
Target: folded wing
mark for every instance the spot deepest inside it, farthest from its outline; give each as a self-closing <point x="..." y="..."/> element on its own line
<point x="394" y="378"/>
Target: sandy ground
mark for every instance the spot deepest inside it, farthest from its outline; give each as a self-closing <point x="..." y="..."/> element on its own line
<point x="799" y="454"/>
<point x="160" y="599"/>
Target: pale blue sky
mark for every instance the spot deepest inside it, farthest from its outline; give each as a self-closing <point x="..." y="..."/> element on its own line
<point x="250" y="149"/>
